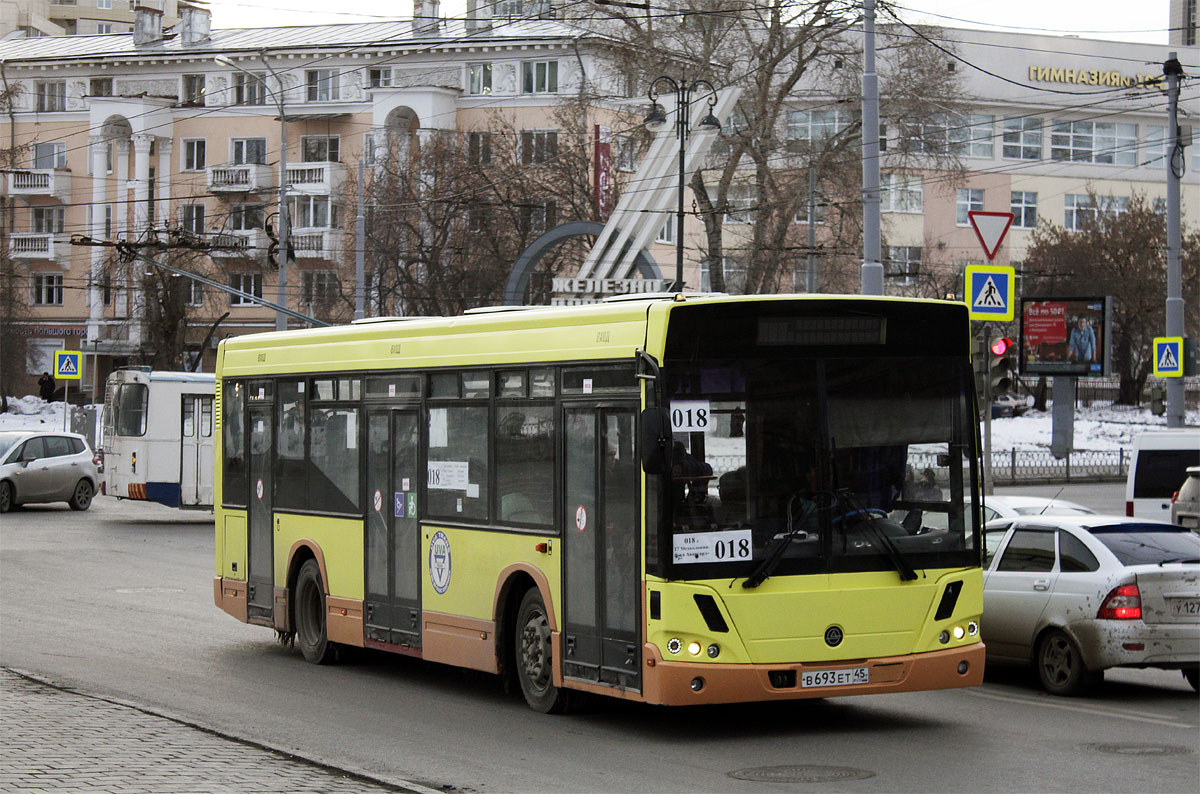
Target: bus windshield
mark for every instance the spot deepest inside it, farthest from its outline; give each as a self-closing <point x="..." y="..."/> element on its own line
<point x="820" y="464"/>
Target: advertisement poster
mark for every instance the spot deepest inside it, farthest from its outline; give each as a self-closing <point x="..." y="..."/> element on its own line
<point x="1065" y="336"/>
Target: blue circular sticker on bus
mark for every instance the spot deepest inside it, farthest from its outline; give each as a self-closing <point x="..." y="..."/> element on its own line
<point x="439" y="562"/>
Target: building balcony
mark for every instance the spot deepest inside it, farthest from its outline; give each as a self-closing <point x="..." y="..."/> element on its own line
<point x="239" y="243"/>
<point x="246" y="178"/>
<point x="316" y="178"/>
<point x="40" y="247"/>
<point x="52" y="182"/>
<point x="317" y="243"/>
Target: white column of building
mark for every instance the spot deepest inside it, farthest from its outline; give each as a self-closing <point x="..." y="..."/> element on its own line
<point x="142" y="143"/>
<point x="99" y="154"/>
<point x="163" y="177"/>
<point x="121" y="213"/>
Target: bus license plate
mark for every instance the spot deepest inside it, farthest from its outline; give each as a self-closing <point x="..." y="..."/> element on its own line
<point x="844" y="677"/>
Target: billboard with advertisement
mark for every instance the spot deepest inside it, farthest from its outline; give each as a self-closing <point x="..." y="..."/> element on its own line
<point x="1066" y="336"/>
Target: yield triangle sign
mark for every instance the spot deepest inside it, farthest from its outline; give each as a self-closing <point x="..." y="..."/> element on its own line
<point x="990" y="228"/>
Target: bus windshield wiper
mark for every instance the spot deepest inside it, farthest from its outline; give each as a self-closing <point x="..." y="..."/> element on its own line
<point x="883" y="541"/>
<point x="775" y="552"/>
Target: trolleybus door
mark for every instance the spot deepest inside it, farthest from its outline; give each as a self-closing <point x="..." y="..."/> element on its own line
<point x="196" y="450"/>
<point x="392" y="542"/>
<point x="600" y="540"/>
<point x="260" y="575"/>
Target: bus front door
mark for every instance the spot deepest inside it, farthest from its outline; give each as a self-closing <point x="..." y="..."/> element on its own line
<point x="393" y="609"/>
<point x="260" y="574"/>
<point x="600" y="542"/>
<point x="196" y="450"/>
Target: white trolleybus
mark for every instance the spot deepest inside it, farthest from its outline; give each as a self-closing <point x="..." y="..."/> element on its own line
<point x="158" y="437"/>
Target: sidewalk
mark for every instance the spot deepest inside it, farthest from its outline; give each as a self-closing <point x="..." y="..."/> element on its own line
<point x="58" y="740"/>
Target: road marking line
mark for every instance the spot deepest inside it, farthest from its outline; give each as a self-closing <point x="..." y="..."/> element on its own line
<point x="1083" y="709"/>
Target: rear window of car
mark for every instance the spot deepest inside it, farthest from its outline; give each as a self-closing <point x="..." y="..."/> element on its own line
<point x="1160" y="471"/>
<point x="1148" y="544"/>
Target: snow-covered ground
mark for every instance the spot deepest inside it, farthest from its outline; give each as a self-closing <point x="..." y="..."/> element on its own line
<point x="1096" y="428"/>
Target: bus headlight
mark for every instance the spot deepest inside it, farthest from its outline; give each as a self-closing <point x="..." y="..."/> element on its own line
<point x="959" y="633"/>
<point x="694" y="648"/>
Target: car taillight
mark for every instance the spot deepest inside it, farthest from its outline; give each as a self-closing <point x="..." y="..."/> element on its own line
<point x="1174" y="497"/>
<point x="1122" y="603"/>
<point x="1129" y="508"/>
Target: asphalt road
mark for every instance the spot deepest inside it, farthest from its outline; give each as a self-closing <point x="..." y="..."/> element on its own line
<point x="118" y="601"/>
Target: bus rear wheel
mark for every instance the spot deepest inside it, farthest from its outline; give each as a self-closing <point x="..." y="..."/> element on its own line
<point x="535" y="657"/>
<point x="309" y="610"/>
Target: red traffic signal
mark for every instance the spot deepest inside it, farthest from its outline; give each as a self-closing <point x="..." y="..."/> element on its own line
<point x="1001" y="345"/>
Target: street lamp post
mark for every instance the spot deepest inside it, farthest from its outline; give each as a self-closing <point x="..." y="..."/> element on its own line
<point x="655" y="120"/>
<point x="280" y="317"/>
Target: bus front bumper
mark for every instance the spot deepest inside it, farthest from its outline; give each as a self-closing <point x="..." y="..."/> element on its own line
<point x="673" y="683"/>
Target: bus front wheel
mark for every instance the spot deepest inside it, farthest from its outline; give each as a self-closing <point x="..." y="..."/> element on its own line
<point x="309" y="606"/>
<point x="535" y="658"/>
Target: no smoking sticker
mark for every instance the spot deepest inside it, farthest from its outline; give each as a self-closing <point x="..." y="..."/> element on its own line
<point x="258" y="488"/>
<point x="378" y="501"/>
<point x="581" y="518"/>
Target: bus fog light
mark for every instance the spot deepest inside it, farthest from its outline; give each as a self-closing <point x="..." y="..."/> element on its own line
<point x="958" y="632"/>
<point x="944" y="637"/>
<point x="972" y="628"/>
<point x="713" y="650"/>
<point x="963" y="667"/>
<point x="674" y="645"/>
<point x="697" y="684"/>
<point x="694" y="648"/>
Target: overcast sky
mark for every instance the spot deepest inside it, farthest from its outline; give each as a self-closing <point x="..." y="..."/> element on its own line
<point x="1101" y="19"/>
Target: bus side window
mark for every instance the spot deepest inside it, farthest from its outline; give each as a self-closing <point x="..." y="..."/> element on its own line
<point x="206" y="417"/>
<point x="189" y="416"/>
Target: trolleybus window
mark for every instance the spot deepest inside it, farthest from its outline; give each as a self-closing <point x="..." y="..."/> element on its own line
<point x="391" y="386"/>
<point x="290" y="464"/>
<point x="132" y="404"/>
<point x="525" y="447"/>
<point x="457" y="465"/>
<point x="234" y="478"/>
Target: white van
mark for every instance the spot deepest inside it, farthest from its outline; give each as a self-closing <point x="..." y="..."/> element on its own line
<point x="1159" y="464"/>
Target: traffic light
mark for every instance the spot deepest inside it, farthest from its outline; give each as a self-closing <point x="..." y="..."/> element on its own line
<point x="1158" y="400"/>
<point x="1002" y="367"/>
<point x="979" y="366"/>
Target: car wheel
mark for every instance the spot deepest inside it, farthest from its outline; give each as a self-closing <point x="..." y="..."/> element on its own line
<point x="6" y="497"/>
<point x="1193" y="677"/>
<point x="534" y="657"/>
<point x="1060" y="666"/>
<point x="309" y="606"/>
<point x="81" y="499"/>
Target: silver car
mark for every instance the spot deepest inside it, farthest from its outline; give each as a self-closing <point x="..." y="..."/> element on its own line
<point x="40" y="466"/>
<point x="1076" y="595"/>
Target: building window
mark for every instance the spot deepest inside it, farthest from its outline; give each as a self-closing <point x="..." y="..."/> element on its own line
<point x="1094" y="142"/>
<point x="538" y="146"/>
<point x="193" y="154"/>
<point x="975" y="139"/>
<point x="318" y="286"/>
<point x="815" y="125"/>
<point x="900" y="193"/>
<point x="740" y="204"/>
<point x="191" y="218"/>
<point x="479" y="148"/>
<point x="243" y="217"/>
<point x="1078" y="207"/>
<point x="539" y="77"/>
<point x="819" y="211"/>
<point x="312" y="212"/>
<point x="103" y="28"/>
<point x="322" y="85"/>
<point x="106" y="290"/>
<point x="379" y="77"/>
<point x="1154" y="144"/>
<point x="106" y="4"/>
<point x="1024" y="209"/>
<point x="249" y="150"/>
<point x="47" y="220"/>
<point x="479" y="217"/>
<point x="904" y="264"/>
<point x="968" y="200"/>
<point x="47" y="289"/>
<point x="250" y="283"/>
<point x="50" y="155"/>
<point x="193" y="89"/>
<point x="667" y="233"/>
<point x="479" y="78"/>
<point x="193" y="293"/>
<point x="1022" y="139"/>
<point x="51" y="95"/>
<point x="320" y="148"/>
<point x="101" y="86"/>
<point x="250" y="89"/>
<point x="540" y="215"/>
<point x="625" y="152"/>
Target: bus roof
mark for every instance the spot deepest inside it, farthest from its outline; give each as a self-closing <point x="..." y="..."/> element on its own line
<point x="166" y="375"/>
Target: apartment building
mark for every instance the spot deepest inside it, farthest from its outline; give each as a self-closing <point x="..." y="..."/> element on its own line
<point x="77" y="17"/>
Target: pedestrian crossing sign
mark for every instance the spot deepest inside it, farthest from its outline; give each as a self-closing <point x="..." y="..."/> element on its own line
<point x="66" y="365"/>
<point x="989" y="292"/>
<point x="1168" y="356"/>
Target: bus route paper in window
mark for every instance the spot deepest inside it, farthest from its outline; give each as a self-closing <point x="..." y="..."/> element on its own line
<point x="439" y="433"/>
<point x="449" y="475"/>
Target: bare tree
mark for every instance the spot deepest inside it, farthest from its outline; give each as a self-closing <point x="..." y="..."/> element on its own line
<point x="14" y="297"/>
<point x="1125" y="251"/>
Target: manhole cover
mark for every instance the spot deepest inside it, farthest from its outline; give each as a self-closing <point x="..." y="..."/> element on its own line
<point x="801" y="774"/>
<point x="1139" y="749"/>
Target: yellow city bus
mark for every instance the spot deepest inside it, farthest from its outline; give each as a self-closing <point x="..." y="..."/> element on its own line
<point x="671" y="499"/>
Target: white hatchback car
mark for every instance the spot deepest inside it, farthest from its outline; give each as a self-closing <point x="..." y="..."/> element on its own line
<point x="1012" y="506"/>
<point x="42" y="466"/>
<point x="1076" y="595"/>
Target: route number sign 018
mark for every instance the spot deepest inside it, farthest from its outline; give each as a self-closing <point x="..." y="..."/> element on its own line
<point x="690" y="416"/>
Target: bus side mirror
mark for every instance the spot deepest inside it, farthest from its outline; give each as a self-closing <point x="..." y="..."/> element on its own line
<point x="656" y="435"/>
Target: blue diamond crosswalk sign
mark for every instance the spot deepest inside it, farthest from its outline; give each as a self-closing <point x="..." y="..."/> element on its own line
<point x="1168" y="356"/>
<point x="989" y="292"/>
<point x="66" y="365"/>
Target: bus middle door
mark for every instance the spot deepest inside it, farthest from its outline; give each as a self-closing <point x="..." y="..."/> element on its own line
<point x="196" y="450"/>
<point x="393" y="565"/>
<point x="600" y="541"/>
<point x="260" y="574"/>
